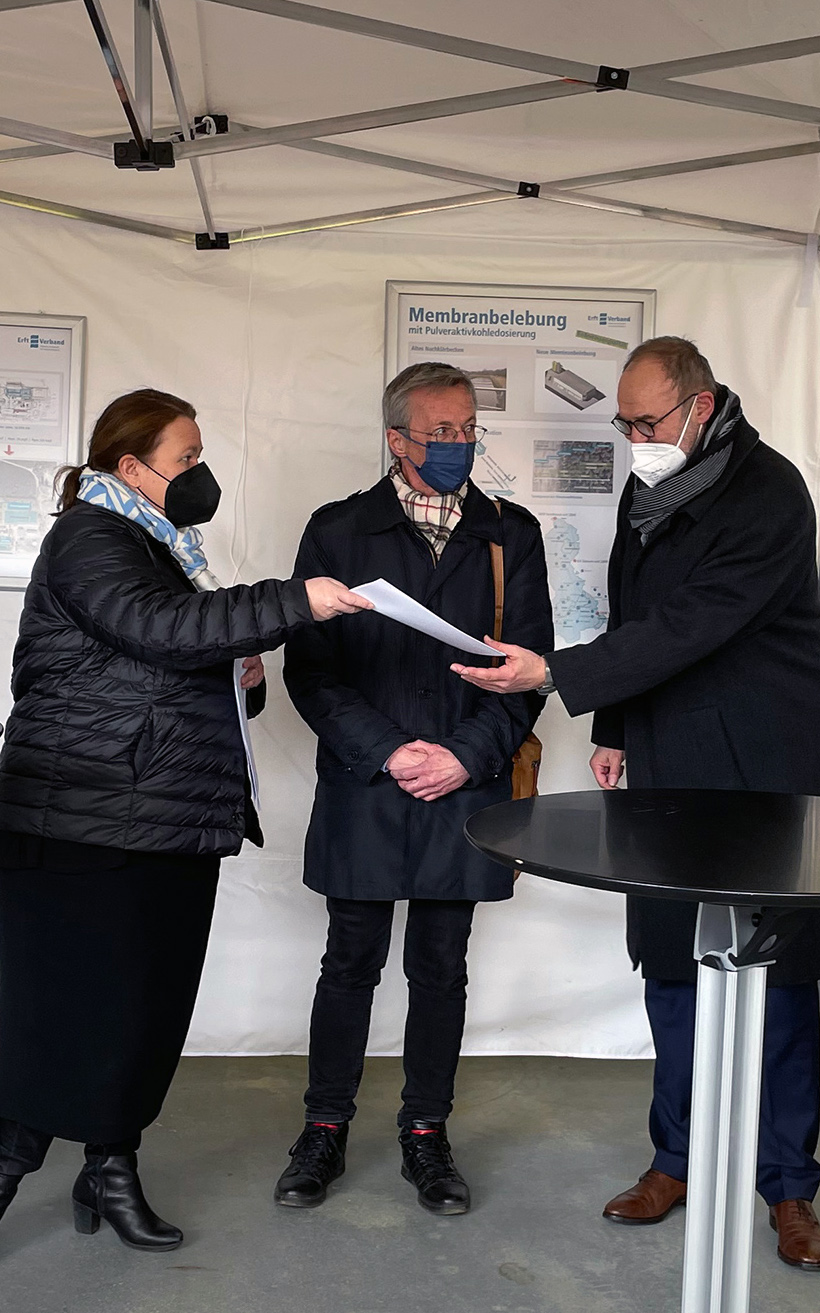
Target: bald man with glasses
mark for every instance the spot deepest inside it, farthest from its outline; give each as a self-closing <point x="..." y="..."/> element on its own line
<point x="707" y="678"/>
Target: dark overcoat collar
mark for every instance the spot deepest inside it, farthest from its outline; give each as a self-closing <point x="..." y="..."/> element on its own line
<point x="379" y="509"/>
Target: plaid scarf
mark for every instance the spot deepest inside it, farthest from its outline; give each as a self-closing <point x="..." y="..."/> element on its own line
<point x="434" y="514"/>
<point x="651" y="506"/>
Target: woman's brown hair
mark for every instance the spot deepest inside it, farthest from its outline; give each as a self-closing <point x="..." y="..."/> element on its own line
<point x="129" y="426"/>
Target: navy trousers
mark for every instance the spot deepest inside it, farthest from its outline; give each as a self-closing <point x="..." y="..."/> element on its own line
<point x="790" y="1093"/>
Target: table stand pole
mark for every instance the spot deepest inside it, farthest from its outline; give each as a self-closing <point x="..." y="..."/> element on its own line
<point x="725" y="1116"/>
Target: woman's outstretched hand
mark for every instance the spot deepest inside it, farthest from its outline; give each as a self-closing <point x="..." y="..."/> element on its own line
<point x="328" y="598"/>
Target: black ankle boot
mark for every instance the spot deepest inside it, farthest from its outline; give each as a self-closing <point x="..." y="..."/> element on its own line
<point x="108" y="1187"/>
<point x="8" y="1189"/>
<point x="429" y="1164"/>
<point x="318" y="1158"/>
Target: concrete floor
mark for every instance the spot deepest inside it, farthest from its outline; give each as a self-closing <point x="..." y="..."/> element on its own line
<point x="544" y="1142"/>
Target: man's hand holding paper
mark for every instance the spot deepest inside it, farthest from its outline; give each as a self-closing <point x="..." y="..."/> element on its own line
<point x="521" y="672"/>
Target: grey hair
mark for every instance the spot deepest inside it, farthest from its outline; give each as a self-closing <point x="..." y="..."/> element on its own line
<point x="680" y="360"/>
<point x="426" y="374"/>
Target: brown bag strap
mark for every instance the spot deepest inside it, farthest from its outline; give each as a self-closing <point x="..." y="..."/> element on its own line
<point x="497" y="561"/>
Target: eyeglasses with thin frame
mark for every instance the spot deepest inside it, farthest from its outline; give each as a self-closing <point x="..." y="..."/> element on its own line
<point x="643" y="426"/>
<point x="447" y="433"/>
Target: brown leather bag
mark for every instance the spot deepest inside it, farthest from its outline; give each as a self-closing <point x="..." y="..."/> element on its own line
<point x="527" y="760"/>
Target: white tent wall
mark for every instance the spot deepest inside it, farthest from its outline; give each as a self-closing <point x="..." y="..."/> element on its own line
<point x="280" y="347"/>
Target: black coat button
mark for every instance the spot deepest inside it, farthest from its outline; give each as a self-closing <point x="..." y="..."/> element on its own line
<point x="425" y="692"/>
<point x="354" y="756"/>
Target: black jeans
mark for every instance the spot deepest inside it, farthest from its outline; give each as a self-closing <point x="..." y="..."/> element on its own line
<point x="435" y="964"/>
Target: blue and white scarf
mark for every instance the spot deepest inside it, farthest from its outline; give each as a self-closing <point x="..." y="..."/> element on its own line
<point x="101" y="489"/>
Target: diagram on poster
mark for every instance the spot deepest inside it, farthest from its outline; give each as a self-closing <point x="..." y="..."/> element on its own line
<point x="545" y="365"/>
<point x="31" y="399"/>
<point x="572" y="465"/>
<point x="40" y="380"/>
<point x="564" y="387"/>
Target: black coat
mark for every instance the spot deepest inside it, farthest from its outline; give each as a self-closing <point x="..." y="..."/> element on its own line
<point x="709" y="676"/>
<point x="366" y="684"/>
<point x="124" y="732"/>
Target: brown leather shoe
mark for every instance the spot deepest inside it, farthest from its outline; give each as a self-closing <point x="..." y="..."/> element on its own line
<point x="651" y="1200"/>
<point x="798" y="1233"/>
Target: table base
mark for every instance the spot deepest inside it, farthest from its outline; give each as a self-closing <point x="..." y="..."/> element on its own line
<point x="720" y="1198"/>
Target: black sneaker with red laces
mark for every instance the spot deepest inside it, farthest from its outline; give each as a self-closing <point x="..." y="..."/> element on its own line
<point x="428" y="1163"/>
<point x="318" y="1157"/>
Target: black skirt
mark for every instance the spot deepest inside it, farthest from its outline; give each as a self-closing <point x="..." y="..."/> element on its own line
<point x="99" y="971"/>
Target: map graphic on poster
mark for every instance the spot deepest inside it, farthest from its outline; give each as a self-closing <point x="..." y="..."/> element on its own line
<point x="40" y="371"/>
<point x="579" y="604"/>
<point x="545" y="365"/>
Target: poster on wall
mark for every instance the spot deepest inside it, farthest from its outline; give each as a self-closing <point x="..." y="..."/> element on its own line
<point x="544" y="363"/>
<point x="41" y="374"/>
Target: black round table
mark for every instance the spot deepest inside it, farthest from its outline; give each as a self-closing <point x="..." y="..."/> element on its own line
<point x="752" y="862"/>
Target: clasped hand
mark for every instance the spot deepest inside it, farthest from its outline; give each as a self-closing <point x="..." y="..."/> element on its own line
<point x="426" y="770"/>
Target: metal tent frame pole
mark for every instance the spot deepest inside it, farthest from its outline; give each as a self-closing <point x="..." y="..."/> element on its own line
<point x="418" y="112"/>
<point x="116" y="68"/>
<point x="63" y="211"/>
<point x="185" y="120"/>
<point x="652" y="79"/>
<point x="144" y="65"/>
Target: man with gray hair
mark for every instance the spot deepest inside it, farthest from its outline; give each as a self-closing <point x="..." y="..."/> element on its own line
<point x="708" y="678"/>
<point x="405" y="754"/>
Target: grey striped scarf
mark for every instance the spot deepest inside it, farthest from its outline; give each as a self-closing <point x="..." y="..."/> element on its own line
<point x="651" y="506"/>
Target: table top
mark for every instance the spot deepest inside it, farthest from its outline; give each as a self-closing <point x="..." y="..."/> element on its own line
<point x="691" y="844"/>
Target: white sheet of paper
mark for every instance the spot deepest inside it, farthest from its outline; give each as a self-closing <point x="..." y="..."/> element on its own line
<point x="391" y="601"/>
<point x="239" y="693"/>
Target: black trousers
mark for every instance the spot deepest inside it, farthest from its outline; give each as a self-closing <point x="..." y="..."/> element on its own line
<point x="435" y="964"/>
<point x="99" y="971"/>
<point x="23" y="1149"/>
<point x="790" y="1094"/>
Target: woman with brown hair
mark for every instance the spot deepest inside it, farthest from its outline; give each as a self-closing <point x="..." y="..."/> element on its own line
<point x="123" y="781"/>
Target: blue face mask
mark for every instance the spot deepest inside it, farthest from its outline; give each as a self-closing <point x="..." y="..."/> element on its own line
<point x="446" y="465"/>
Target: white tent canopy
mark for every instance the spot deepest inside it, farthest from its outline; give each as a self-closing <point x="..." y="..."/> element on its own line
<point x="706" y="88"/>
<point x="280" y="343"/>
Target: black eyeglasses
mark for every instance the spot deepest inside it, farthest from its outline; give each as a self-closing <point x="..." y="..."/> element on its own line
<point x="643" y="426"/>
<point x="447" y="433"/>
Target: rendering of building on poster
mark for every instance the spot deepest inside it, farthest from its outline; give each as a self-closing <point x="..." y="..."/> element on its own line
<point x="545" y="364"/>
<point x="41" y="372"/>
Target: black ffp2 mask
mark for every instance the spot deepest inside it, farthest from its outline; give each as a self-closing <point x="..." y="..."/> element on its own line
<point x="192" y="496"/>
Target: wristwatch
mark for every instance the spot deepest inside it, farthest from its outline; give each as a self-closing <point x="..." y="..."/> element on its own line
<point x="548" y="685"/>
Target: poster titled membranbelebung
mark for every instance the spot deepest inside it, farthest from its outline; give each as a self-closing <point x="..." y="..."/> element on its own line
<point x="41" y="369"/>
<point x="545" y="365"/>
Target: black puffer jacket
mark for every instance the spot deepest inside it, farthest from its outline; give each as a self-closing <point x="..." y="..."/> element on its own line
<point x="124" y="731"/>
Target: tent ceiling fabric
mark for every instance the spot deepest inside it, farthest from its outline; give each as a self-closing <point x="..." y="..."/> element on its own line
<point x="263" y="71"/>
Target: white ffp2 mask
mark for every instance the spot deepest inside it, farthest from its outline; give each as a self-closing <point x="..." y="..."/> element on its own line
<point x="653" y="462"/>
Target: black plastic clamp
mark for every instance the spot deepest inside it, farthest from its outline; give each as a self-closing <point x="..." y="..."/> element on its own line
<point x="775" y="928"/>
<point x="158" y="155"/>
<point x="219" y="242"/>
<point x="612" y="79"/>
<point x="529" y="189"/>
